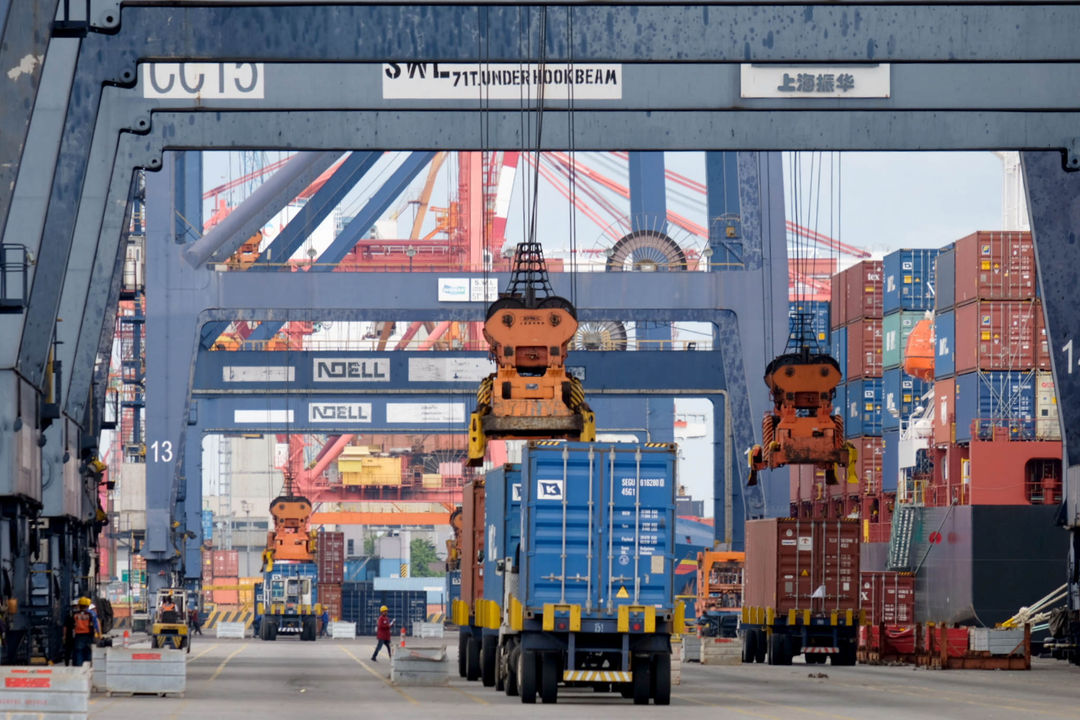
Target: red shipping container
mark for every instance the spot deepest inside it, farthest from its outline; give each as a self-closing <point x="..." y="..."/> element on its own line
<point x="225" y="563"/>
<point x="995" y="266"/>
<point x="868" y="466"/>
<point x="330" y="557"/>
<point x="864" y="340"/>
<point x="955" y="639"/>
<point x="224" y="597"/>
<point x="1042" y="342"/>
<point x="806" y="482"/>
<point x="944" y="411"/>
<point x="472" y="542"/>
<point x="888" y="597"/>
<point x="329" y="596"/>
<point x="788" y="560"/>
<point x="996" y="335"/>
<point x="863" y="290"/>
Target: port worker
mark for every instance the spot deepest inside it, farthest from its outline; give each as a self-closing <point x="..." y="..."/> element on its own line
<point x="84" y="629"/>
<point x="324" y="621"/>
<point x="382" y="633"/>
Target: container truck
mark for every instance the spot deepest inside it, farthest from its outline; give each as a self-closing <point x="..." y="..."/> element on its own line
<point x="801" y="591"/>
<point x="464" y="609"/>
<point x="587" y="595"/>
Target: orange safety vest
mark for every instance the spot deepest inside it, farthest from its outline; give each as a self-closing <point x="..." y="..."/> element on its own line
<point x="168" y="607"/>
<point x="83" y="623"/>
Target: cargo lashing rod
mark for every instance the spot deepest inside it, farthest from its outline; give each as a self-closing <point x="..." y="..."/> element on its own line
<point x="588" y="556"/>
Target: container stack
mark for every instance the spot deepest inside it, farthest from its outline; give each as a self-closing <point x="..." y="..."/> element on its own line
<point x="996" y="438"/>
<point x="360" y="604"/>
<point x="330" y="560"/>
<point x="908" y="297"/>
<point x="221" y="568"/>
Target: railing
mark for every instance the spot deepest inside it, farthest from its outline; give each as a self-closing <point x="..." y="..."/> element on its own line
<point x="14" y="277"/>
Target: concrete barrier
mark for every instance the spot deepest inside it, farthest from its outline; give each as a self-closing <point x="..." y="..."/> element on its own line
<point x="139" y="671"/>
<point x="100" y="660"/>
<point x="427" y="630"/>
<point x="45" y="693"/>
<point x="230" y="630"/>
<point x="721" y="651"/>
<point x="342" y="630"/>
<point x="677" y="649"/>
<point x="691" y="648"/>
<point x="420" y="667"/>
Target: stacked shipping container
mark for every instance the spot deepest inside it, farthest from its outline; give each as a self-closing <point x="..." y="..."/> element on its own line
<point x="330" y="560"/>
<point x="221" y="568"/>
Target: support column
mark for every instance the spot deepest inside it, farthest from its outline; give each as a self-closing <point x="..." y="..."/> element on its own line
<point x="174" y="296"/>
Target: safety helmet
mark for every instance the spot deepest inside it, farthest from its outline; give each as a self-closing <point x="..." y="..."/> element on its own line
<point x="383" y="609"/>
<point x="84" y="602"/>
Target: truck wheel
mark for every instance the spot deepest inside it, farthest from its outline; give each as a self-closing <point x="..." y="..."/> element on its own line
<point x="661" y="679"/>
<point x="642" y="681"/>
<point x="462" y="651"/>
<point x="760" y="646"/>
<point x="271" y="631"/>
<point x="510" y="686"/>
<point x="488" y="646"/>
<point x="749" y="646"/>
<point x="472" y="660"/>
<point x="549" y="678"/>
<point x="527" y="676"/>
<point x="778" y="650"/>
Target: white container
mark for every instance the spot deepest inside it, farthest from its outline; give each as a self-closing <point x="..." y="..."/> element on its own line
<point x="142" y="670"/>
<point x="1047" y="425"/>
<point x="45" y="693"/>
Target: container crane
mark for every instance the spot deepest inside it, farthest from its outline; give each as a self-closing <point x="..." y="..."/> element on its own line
<point x="530" y="395"/>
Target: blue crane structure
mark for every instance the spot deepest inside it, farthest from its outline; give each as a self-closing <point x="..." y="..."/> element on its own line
<point x="88" y="98"/>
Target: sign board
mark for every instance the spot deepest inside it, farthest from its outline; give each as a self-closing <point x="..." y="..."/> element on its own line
<point x="814" y="81"/>
<point x="205" y="81"/>
<point x="501" y="81"/>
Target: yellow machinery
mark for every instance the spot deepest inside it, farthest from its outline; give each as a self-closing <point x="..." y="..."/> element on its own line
<point x="170" y="628"/>
<point x="530" y="395"/>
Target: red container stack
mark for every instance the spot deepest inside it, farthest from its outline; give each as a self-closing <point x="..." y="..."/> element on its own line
<point x="329" y="596"/>
<point x="995" y="266"/>
<point x="225" y="563"/>
<point x="862" y="289"/>
<point x="865" y="344"/>
<point x="888" y="597"/>
<point x="330" y="557"/>
<point x="1042" y="343"/>
<point x="997" y="335"/>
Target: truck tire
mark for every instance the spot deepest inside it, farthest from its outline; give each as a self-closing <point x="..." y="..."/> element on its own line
<point x="511" y="662"/>
<point x="779" y="653"/>
<point x="472" y="660"/>
<point x="661" y="679"/>
<point x="549" y="678"/>
<point x="642" y="682"/>
<point x="271" y="630"/>
<point x="760" y="646"/>
<point x="462" y="651"/>
<point x="488" y="646"/>
<point x="749" y="646"/>
<point x="527" y="677"/>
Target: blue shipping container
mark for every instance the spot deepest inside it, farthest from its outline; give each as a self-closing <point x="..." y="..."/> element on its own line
<point x="944" y="345"/>
<point x="502" y="518"/>
<point x="864" y="408"/>
<point x="1003" y="400"/>
<point x="909" y="280"/>
<point x="809" y="319"/>
<point x="838" y="342"/>
<point x="890" y="460"/>
<point x="839" y="403"/>
<point x="453" y="587"/>
<point x="901" y="394"/>
<point x="208" y="526"/>
<point x="598" y="525"/>
<point x="945" y="278"/>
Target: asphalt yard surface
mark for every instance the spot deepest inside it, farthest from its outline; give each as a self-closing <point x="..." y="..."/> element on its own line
<point x="337" y="679"/>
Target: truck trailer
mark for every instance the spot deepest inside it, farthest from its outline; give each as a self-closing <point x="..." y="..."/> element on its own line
<point x="587" y="591"/>
<point x="801" y="591"/>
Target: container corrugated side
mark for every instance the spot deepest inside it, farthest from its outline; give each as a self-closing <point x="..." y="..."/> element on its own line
<point x="838" y="345"/>
<point x="1042" y="341"/>
<point x="909" y="278"/>
<point x="944" y="344"/>
<point x="616" y="550"/>
<point x="1047" y="423"/>
<point x="888" y="597"/>
<point x="809" y="319"/>
<point x="998" y="401"/>
<point x="901" y="394"/>
<point x="995" y="266"/>
<point x="945" y="278"/>
<point x="864" y="353"/>
<point x="995" y="335"/>
<point x="890" y="460"/>
<point x="472" y="542"/>
<point x="864" y="401"/>
<point x="789" y="561"/>
<point x="895" y="329"/>
<point x="864" y="288"/>
<point x="502" y="517"/>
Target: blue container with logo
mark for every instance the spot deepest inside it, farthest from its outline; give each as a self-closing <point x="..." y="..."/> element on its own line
<point x="598" y="526"/>
<point x="502" y="523"/>
<point x="945" y="278"/>
<point x="809" y="320"/>
<point x="944" y="344"/>
<point x="864" y="408"/>
<point x="909" y="280"/>
<point x="1001" y="401"/>
<point x="839" y="404"/>
<point x="901" y="394"/>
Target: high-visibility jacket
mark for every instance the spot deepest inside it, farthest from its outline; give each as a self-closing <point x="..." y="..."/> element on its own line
<point x="84" y="624"/>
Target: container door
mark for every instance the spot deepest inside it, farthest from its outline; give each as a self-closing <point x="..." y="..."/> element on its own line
<point x="637" y="514"/>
